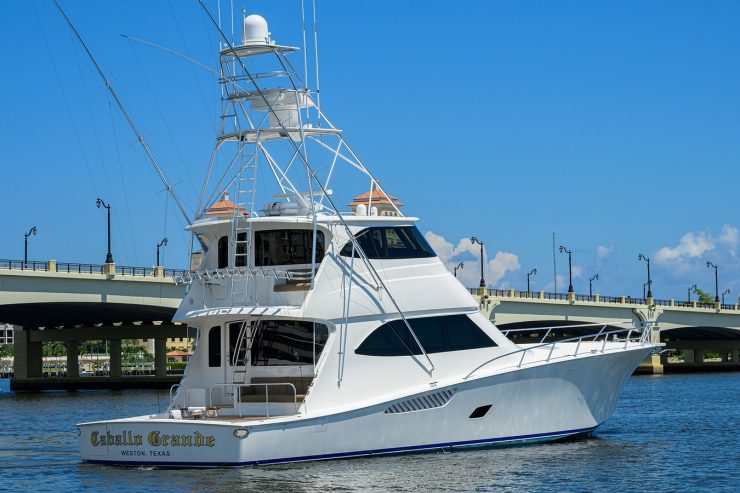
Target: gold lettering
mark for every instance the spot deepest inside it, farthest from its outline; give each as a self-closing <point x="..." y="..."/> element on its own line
<point x="175" y="441"/>
<point x="118" y="440"/>
<point x="199" y="439"/>
<point x="94" y="438"/>
<point x="137" y="440"/>
<point x="187" y="441"/>
<point x="210" y="441"/>
<point x="154" y="440"/>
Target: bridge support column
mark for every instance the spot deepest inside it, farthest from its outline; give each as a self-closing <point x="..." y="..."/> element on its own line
<point x="73" y="361"/>
<point x="28" y="360"/>
<point x="160" y="357"/>
<point x="115" y="357"/>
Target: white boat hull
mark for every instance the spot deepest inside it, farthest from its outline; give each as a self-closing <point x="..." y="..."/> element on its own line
<point x="536" y="404"/>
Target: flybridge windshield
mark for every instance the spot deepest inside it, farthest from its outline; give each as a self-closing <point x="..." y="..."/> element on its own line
<point x="396" y="242"/>
<point x="287" y="247"/>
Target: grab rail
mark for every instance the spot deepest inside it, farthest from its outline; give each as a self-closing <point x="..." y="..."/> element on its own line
<point x="245" y="385"/>
<point x="644" y="337"/>
<point x="177" y="385"/>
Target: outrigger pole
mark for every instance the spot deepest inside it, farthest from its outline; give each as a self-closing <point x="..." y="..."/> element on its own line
<point x="149" y="154"/>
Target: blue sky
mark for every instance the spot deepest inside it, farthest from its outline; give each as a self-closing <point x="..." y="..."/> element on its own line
<point x="614" y="124"/>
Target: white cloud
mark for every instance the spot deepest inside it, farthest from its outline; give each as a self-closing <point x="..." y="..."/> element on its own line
<point x="494" y="271"/>
<point x="691" y="245"/>
<point x="443" y="247"/>
<point x="502" y="263"/>
<point x="467" y="246"/>
<point x="603" y="251"/>
<point x="562" y="284"/>
<point x="730" y="236"/>
<point x="577" y="271"/>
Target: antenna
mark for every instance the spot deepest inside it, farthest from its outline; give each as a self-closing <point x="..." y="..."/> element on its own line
<point x="316" y="61"/>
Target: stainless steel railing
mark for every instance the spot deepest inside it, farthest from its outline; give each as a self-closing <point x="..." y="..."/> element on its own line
<point x="239" y="386"/>
<point x="643" y="338"/>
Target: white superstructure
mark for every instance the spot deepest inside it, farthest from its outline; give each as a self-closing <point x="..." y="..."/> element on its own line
<point x="324" y="333"/>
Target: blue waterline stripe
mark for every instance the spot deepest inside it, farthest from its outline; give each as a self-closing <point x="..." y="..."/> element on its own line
<point x="346" y="454"/>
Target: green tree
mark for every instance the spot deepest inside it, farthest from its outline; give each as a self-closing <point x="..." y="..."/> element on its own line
<point x="703" y="296"/>
<point x="54" y="348"/>
<point x="132" y="350"/>
<point x="7" y="350"/>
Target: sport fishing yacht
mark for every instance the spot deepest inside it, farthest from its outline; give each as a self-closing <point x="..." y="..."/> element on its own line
<point x="327" y="332"/>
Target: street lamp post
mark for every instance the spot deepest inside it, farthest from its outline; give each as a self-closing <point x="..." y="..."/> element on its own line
<point x="716" y="282"/>
<point x="475" y="240"/>
<point x="108" y="256"/>
<point x="726" y="291"/>
<point x="649" y="281"/>
<point x="161" y="243"/>
<point x="458" y="266"/>
<point x="590" y="288"/>
<point x="570" y="268"/>
<point x="31" y="231"/>
<point x="692" y="288"/>
<point x="533" y="272"/>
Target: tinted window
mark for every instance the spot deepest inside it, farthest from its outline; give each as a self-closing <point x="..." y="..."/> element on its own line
<point x="223" y="252"/>
<point x="214" y="346"/>
<point x="286" y="247"/>
<point x="391" y="243"/>
<point x="436" y="334"/>
<point x="287" y="342"/>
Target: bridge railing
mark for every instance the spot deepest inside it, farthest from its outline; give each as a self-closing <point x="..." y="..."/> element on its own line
<point x="80" y="268"/>
<point x="624" y="300"/>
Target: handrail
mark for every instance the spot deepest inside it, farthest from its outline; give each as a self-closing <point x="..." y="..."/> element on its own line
<point x="643" y="339"/>
<point x="171" y="396"/>
<point x="245" y="385"/>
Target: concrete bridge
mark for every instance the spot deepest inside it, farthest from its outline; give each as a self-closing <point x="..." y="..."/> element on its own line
<point x="693" y="328"/>
<point x="53" y="301"/>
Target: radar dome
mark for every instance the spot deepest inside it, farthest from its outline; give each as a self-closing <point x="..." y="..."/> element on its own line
<point x="255" y="30"/>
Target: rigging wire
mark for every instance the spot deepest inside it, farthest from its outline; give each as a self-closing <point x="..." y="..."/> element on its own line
<point x="209" y="111"/>
<point x="66" y="102"/>
<point x="161" y="115"/>
<point x="128" y="118"/>
<point x="123" y="181"/>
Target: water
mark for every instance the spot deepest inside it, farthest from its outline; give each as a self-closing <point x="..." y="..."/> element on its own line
<point x="669" y="433"/>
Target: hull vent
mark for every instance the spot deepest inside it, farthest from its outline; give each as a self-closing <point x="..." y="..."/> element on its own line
<point x="422" y="402"/>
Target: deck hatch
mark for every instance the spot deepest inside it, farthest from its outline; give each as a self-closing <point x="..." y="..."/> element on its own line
<point x="422" y="402"/>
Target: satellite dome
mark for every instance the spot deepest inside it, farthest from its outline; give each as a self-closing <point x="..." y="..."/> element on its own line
<point x="255" y="30"/>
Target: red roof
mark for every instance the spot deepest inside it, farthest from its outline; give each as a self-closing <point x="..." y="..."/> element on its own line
<point x="378" y="197"/>
<point x="224" y="206"/>
<point x="177" y="353"/>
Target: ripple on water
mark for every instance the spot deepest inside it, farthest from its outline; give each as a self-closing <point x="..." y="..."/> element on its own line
<point x="671" y="432"/>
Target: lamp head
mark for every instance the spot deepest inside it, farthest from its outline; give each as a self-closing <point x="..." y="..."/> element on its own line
<point x="164" y="242"/>
<point x="98" y="202"/>
<point x="475" y="240"/>
<point x="596" y="276"/>
<point x="562" y="248"/>
<point x="534" y="271"/>
<point x="641" y="257"/>
<point x="33" y="231"/>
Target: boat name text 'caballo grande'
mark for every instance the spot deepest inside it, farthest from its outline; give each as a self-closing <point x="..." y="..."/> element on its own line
<point x="154" y="438"/>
